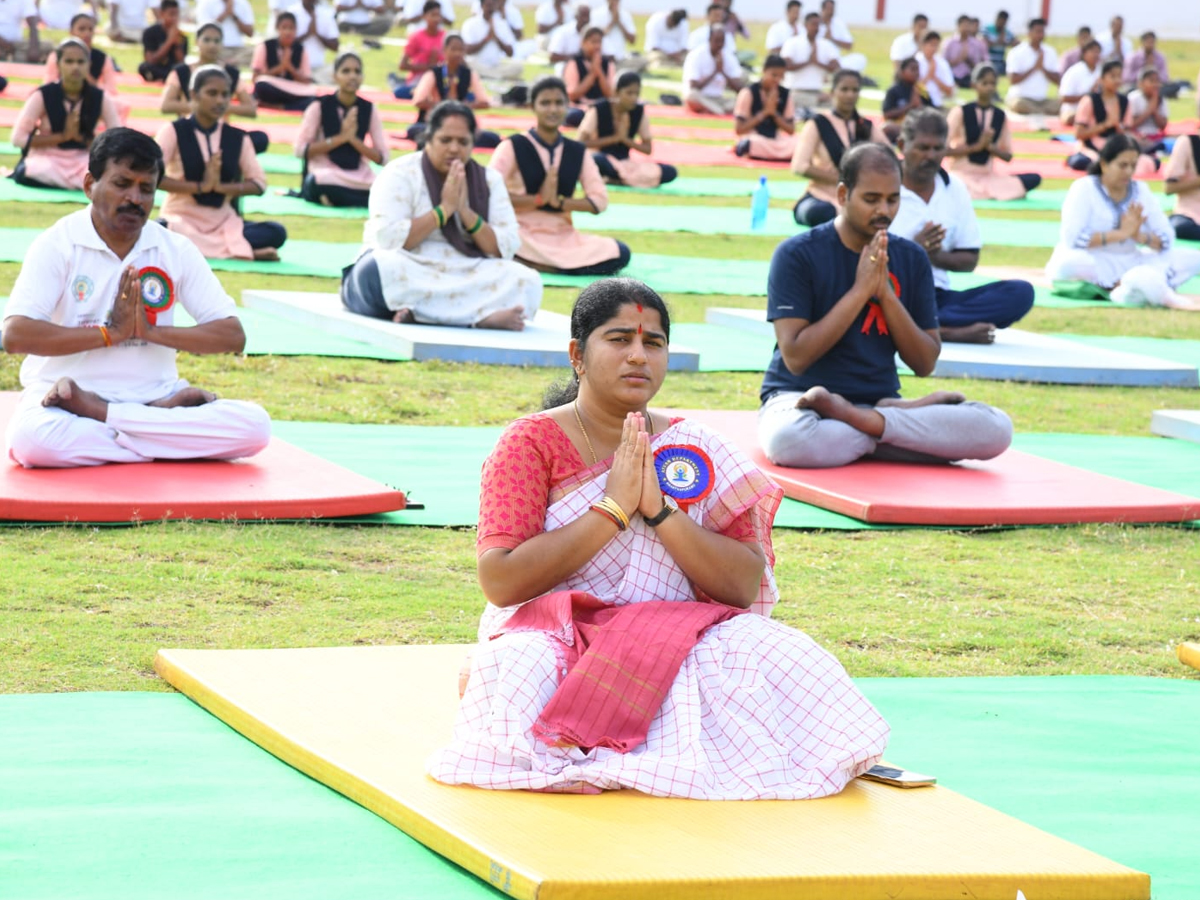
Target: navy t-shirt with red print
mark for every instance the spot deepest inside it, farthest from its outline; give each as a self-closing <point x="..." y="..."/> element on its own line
<point x="810" y="273"/>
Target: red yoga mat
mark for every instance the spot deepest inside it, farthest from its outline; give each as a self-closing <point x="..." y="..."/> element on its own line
<point x="1014" y="489"/>
<point x="281" y="482"/>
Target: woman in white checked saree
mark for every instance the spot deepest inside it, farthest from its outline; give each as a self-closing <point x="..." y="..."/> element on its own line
<point x="626" y="645"/>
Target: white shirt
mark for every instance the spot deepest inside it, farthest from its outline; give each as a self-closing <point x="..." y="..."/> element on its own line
<point x="661" y="37"/>
<point x="614" y="41"/>
<point x="836" y="30"/>
<point x="699" y="37"/>
<point x="475" y="29"/>
<point x="413" y="9"/>
<point x="546" y="14"/>
<point x="1138" y="104"/>
<point x="13" y="14"/>
<point x="1105" y="40"/>
<point x="56" y="13"/>
<point x="699" y="64"/>
<point x="565" y="40"/>
<point x="360" y="16"/>
<point x="70" y="277"/>
<point x="1021" y="59"/>
<point x="941" y="69"/>
<point x="131" y="14"/>
<point x="327" y="27"/>
<point x="903" y="47"/>
<point x="210" y="10"/>
<point x="512" y="15"/>
<point x="1079" y="79"/>
<point x="812" y="76"/>
<point x="950" y="206"/>
<point x="778" y="34"/>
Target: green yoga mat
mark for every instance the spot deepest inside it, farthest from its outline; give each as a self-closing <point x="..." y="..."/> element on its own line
<point x="1105" y="762"/>
<point x="113" y="796"/>
<point x="1051" y="200"/>
<point x="117" y="795"/>
<point x="1157" y="462"/>
<point x="781" y="186"/>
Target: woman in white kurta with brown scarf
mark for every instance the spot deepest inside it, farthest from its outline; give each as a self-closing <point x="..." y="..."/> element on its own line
<point x="440" y="239"/>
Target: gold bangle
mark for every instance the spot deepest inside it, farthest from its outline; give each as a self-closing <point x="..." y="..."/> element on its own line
<point x="613" y="508"/>
<point x="596" y="507"/>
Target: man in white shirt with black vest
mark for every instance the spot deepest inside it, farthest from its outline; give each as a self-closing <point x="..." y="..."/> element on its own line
<point x="94" y="307"/>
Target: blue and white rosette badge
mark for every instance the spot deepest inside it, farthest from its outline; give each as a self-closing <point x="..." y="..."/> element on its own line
<point x="684" y="472"/>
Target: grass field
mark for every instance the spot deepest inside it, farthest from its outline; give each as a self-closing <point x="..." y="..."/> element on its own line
<point x="85" y="608"/>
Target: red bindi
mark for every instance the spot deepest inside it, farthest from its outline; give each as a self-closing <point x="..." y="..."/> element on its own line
<point x="639" y="306"/>
<point x="639" y="328"/>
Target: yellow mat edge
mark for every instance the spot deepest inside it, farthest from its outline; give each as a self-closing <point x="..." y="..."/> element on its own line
<point x="295" y="754"/>
<point x="1189" y="654"/>
<point x="1132" y="884"/>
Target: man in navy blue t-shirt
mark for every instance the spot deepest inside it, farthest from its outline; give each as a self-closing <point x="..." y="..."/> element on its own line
<point x="845" y="298"/>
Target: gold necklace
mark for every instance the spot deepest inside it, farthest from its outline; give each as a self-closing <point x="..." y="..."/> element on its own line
<point x="591" y="449"/>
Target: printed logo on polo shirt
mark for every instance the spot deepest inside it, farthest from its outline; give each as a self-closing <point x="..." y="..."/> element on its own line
<point x="81" y="288"/>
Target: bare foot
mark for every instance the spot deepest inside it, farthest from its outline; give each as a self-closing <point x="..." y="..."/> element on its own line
<point x="976" y="333"/>
<point x="66" y="394"/>
<point x="188" y="396"/>
<point x="829" y="405"/>
<point x="266" y="254"/>
<point x="404" y="316"/>
<point x="512" y="319"/>
<point x="937" y="397"/>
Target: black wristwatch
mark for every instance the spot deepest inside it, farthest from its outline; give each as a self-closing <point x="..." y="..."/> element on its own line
<point x="669" y="506"/>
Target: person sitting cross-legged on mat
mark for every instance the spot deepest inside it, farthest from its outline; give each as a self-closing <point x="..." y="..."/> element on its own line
<point x="210" y="165"/>
<point x="58" y="123"/>
<point x="615" y="128"/>
<point x="979" y="135"/>
<point x="765" y="117"/>
<point x="164" y="45"/>
<point x="589" y="76"/>
<point x="94" y="307"/>
<point x="1115" y="240"/>
<point x="711" y="72"/>
<point x="453" y="80"/>
<point x="936" y="213"/>
<point x="580" y="535"/>
<point x="1100" y="115"/>
<point x="542" y="170"/>
<point x="177" y="91"/>
<point x="1183" y="180"/>
<point x="338" y="135"/>
<point x="822" y="142"/>
<point x="440" y="239"/>
<point x="282" y="70"/>
<point x="845" y="298"/>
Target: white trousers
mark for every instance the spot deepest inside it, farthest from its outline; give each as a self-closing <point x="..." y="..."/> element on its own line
<point x="1148" y="277"/>
<point x="50" y="437"/>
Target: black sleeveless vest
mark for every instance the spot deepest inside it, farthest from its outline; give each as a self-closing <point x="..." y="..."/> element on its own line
<point x="833" y="141"/>
<point x="193" y="160"/>
<point x="593" y="93"/>
<point x="441" y="81"/>
<point x="96" y="66"/>
<point x="273" y="49"/>
<point x="1101" y="114"/>
<point x="54" y="99"/>
<point x="344" y="156"/>
<point x="767" y="128"/>
<point x="971" y="120"/>
<point x="533" y="173"/>
<point x="606" y="126"/>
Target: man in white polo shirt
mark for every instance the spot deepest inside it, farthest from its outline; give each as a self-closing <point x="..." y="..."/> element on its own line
<point x="94" y="309"/>
<point x="810" y="61"/>
<point x="936" y="213"/>
<point x="666" y="38"/>
<point x="908" y="45"/>
<point x="317" y="30"/>
<point x="712" y="76"/>
<point x="15" y="14"/>
<point x="787" y="27"/>
<point x="1032" y="67"/>
<point x="491" y="44"/>
<point x="236" y="18"/>
<point x="620" y="33"/>
<point x="128" y="20"/>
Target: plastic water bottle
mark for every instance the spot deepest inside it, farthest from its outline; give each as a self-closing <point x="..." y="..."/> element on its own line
<point x="760" y="202"/>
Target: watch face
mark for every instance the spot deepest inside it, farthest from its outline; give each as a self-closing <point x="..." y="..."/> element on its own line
<point x="669" y="501"/>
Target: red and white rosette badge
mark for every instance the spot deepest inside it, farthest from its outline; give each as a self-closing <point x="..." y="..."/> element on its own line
<point x="685" y="472"/>
<point x="158" y="292"/>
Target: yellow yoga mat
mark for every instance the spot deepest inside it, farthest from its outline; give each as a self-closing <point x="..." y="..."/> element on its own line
<point x="363" y="720"/>
<point x="1189" y="655"/>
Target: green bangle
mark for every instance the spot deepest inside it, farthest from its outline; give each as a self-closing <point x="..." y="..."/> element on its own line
<point x="478" y="224"/>
<point x="440" y="216"/>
